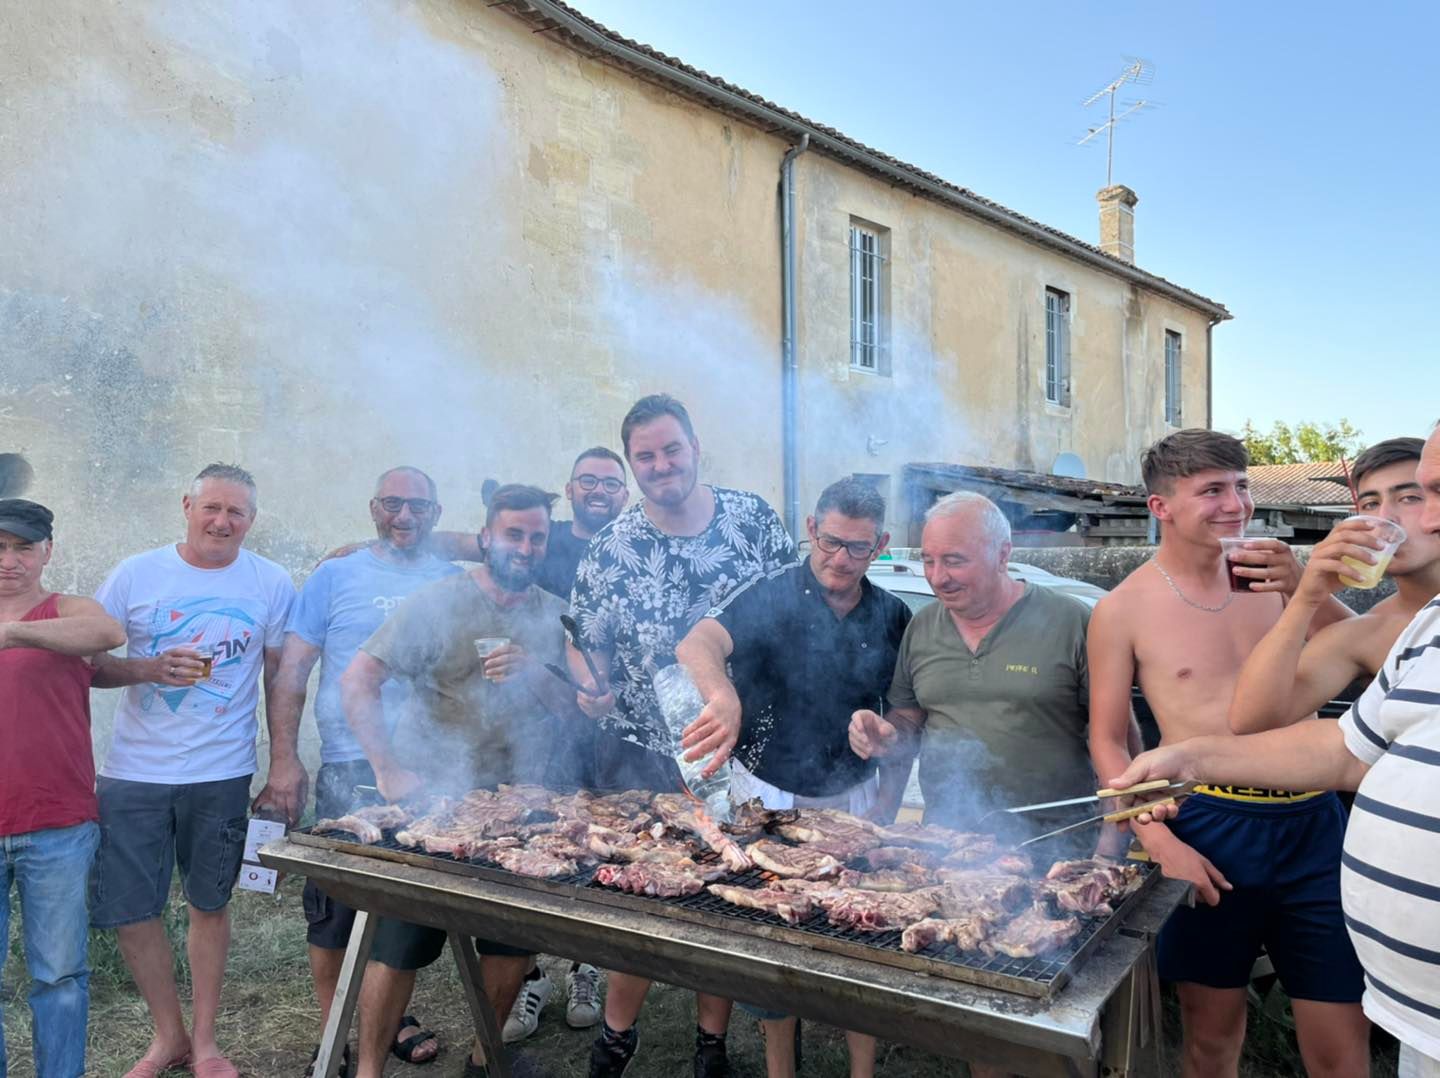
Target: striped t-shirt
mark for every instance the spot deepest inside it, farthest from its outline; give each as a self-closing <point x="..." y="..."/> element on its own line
<point x="1390" y="877"/>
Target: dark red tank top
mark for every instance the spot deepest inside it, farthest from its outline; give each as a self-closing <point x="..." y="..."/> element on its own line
<point x="47" y="767"/>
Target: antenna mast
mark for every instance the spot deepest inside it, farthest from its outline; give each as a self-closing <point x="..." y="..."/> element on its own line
<point x="1137" y="71"/>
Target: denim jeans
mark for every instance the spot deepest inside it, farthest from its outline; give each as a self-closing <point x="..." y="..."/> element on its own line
<point x="49" y="869"/>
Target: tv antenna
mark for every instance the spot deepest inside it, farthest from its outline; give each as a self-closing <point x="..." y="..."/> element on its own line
<point x="1137" y="71"/>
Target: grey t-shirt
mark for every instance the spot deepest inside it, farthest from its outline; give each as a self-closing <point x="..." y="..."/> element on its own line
<point x="464" y="731"/>
<point x="1007" y="724"/>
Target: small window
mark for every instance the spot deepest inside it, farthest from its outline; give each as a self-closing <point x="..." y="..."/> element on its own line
<point x="867" y="299"/>
<point x="1057" y="347"/>
<point x="1173" y="371"/>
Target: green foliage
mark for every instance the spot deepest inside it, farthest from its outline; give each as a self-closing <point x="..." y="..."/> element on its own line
<point x="1302" y="443"/>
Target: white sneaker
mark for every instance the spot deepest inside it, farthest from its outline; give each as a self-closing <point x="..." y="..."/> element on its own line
<point x="525" y="1014"/>
<point x="583" y="1009"/>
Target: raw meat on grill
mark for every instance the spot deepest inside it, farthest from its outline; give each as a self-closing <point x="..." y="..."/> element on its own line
<point x="748" y="821"/>
<point x="841" y="838"/>
<point x="966" y="933"/>
<point x="790" y="908"/>
<point x="669" y="879"/>
<point x="904" y="878"/>
<point x="971" y="849"/>
<point x="612" y="845"/>
<point x="535" y="798"/>
<point x="1090" y="887"/>
<point x="802" y="862"/>
<point x="865" y="911"/>
<point x="1032" y="934"/>
<point x="680" y="811"/>
<point x="1017" y="864"/>
<point x="626" y="811"/>
<point x="533" y="862"/>
<point x="367" y="823"/>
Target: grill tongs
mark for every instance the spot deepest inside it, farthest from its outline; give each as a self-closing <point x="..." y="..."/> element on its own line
<point x="1171" y="790"/>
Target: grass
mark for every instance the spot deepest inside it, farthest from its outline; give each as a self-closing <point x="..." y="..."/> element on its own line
<point x="270" y="1022"/>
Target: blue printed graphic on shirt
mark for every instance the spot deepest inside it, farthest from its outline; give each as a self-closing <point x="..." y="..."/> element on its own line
<point x="233" y="630"/>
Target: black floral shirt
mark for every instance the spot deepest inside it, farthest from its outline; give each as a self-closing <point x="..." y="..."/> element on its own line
<point x="638" y="592"/>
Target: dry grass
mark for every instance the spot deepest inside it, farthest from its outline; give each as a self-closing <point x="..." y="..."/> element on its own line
<point x="270" y="1021"/>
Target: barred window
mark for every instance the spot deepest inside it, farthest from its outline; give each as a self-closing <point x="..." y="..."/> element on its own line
<point x="1173" y="371"/>
<point x="867" y="299"/>
<point x="1057" y="346"/>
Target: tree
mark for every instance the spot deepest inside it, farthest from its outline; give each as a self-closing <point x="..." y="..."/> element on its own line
<point x="1302" y="443"/>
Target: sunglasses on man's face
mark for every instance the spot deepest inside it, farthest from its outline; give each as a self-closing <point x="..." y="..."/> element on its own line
<point x="418" y="506"/>
<point x="588" y="482"/>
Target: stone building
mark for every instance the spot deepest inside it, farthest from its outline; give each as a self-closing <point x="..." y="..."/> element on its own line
<point x="322" y="239"/>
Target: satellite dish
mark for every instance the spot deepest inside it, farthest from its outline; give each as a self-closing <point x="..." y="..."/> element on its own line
<point x="1069" y="465"/>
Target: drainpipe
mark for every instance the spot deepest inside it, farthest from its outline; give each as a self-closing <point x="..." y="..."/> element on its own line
<point x="1210" y="372"/>
<point x="789" y="367"/>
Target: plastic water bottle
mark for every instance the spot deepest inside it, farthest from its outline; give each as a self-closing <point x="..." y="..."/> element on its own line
<point x="681" y="704"/>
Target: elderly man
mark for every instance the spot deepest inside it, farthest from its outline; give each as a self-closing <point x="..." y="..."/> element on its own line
<point x="473" y="646"/>
<point x="809" y="645"/>
<point x="1387" y="747"/>
<point x="1176" y="625"/>
<point x="203" y="618"/>
<point x="645" y="580"/>
<point x="48" y="832"/>
<point x="339" y="608"/>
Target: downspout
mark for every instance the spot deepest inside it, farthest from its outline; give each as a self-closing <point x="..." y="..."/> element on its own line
<point x="1210" y="372"/>
<point x="789" y="366"/>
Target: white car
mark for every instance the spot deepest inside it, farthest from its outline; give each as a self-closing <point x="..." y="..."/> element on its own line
<point x="904" y="575"/>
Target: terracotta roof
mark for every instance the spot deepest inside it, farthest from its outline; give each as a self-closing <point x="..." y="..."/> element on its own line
<point x="586" y="35"/>
<point x="1317" y="483"/>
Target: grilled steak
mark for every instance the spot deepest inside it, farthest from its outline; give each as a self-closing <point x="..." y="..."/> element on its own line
<point x="1031" y="934"/>
<point x="752" y="819"/>
<point x="613" y="845"/>
<point x="790" y="908"/>
<point x="895" y="857"/>
<point x="1090" y="887"/>
<point x="966" y="933"/>
<point x="365" y="830"/>
<point x="680" y="811"/>
<point x="803" y="862"/>
<point x="837" y="833"/>
<point x="1017" y="864"/>
<point x="904" y="878"/>
<point x="529" y="861"/>
<point x="994" y="896"/>
<point x="669" y="879"/>
<point x="877" y="911"/>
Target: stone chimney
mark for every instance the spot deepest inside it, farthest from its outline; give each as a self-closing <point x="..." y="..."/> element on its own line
<point x="1117" y="221"/>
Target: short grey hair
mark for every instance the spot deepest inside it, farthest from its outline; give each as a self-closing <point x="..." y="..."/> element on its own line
<point x="408" y="469"/>
<point x="227" y="473"/>
<point x="854" y="499"/>
<point x="993" y="525"/>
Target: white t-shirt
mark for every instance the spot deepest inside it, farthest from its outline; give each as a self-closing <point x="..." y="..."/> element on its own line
<point x="1390" y="870"/>
<point x="204" y="732"/>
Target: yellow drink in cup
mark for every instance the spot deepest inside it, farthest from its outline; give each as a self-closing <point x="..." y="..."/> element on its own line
<point x="1366" y="575"/>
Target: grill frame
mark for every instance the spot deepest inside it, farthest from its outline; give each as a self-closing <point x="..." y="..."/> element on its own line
<point x="1037" y="978"/>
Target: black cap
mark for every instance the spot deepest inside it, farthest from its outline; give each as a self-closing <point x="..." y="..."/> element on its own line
<point x="28" y="520"/>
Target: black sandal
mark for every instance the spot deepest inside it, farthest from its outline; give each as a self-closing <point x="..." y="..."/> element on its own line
<point x="405" y="1050"/>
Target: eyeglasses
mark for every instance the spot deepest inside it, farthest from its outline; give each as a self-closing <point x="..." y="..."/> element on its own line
<point x="857" y="548"/>
<point x="418" y="506"/>
<point x="590" y="482"/>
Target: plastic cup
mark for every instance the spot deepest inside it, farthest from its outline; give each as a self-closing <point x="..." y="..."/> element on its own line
<point x="1367" y="575"/>
<point x="1233" y="544"/>
<point x="207" y="656"/>
<point x="486" y="646"/>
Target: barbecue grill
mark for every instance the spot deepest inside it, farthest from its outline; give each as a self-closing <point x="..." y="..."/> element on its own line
<point x="1089" y="1009"/>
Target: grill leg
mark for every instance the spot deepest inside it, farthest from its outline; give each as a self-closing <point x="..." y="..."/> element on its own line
<point x="1130" y="1024"/>
<point x="347" y="992"/>
<point x="487" y="1026"/>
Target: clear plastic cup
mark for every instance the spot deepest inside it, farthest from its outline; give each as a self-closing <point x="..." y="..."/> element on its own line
<point x="1366" y="575"/>
<point x="486" y="646"/>
<point x="1233" y="544"/>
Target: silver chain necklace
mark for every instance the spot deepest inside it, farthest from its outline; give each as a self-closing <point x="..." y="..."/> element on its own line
<point x="1185" y="598"/>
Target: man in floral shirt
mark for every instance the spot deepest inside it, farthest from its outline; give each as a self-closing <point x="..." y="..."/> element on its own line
<point x="645" y="580"/>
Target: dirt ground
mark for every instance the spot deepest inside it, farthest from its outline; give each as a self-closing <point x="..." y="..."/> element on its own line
<point x="270" y="1022"/>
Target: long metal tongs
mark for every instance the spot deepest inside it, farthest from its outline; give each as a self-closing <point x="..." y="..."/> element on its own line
<point x="1173" y="792"/>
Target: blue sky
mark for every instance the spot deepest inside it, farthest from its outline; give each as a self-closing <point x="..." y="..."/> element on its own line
<point x="1289" y="171"/>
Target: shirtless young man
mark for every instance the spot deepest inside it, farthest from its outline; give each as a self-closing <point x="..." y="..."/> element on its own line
<point x="1175" y="624"/>
<point x="1286" y="679"/>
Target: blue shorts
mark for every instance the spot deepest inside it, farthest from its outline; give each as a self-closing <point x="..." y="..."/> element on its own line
<point x="147" y="828"/>
<point x="1283" y="858"/>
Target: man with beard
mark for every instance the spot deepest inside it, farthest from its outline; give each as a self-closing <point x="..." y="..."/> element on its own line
<point x="596" y="492"/>
<point x="808" y="646"/>
<point x="339" y="608"/>
<point x="646" y="579"/>
<point x="476" y="720"/>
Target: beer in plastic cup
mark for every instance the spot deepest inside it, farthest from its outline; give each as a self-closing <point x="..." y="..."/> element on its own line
<point x="1366" y="575"/>
<point x="207" y="658"/>
<point x="486" y="646"/>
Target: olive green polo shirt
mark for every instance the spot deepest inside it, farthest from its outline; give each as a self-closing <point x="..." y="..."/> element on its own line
<point x="1006" y="724"/>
